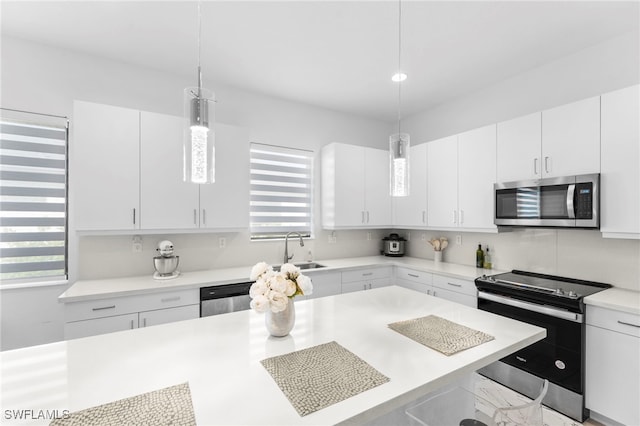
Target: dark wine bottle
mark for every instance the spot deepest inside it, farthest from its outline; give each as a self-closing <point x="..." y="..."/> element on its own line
<point x="479" y="257"/>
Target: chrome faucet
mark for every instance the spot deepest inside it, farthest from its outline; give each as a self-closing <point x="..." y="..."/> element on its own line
<point x="287" y="258"/>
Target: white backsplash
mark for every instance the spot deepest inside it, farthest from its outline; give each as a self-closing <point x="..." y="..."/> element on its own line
<point x="571" y="253"/>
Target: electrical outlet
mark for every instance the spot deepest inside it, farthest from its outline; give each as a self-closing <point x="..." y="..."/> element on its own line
<point x="368" y="236"/>
<point x="222" y="242"/>
<point x="458" y="239"/>
<point x="137" y="244"/>
<point x="332" y="238"/>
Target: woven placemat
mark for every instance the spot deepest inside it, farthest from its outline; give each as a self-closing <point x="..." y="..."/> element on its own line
<point x="440" y="334"/>
<point x="168" y="406"/>
<point x="322" y="375"/>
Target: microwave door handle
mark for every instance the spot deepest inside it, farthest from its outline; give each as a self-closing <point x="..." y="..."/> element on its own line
<point x="571" y="213"/>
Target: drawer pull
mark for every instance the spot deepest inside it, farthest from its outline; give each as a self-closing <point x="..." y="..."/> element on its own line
<point x="104" y="308"/>
<point x="414" y="275"/>
<point x="170" y="299"/>
<point x="455" y="285"/>
<point x="367" y="274"/>
<point x="628" y="323"/>
<point x="132" y="324"/>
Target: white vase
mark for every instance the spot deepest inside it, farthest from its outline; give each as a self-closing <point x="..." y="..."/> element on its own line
<point x="279" y="324"/>
<point x="437" y="256"/>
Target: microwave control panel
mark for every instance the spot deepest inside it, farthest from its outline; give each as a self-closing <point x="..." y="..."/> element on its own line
<point x="584" y="200"/>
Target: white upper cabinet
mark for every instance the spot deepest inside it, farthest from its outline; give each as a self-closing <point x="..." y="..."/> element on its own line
<point x="561" y="141"/>
<point x="442" y="182"/>
<point x="104" y="167"/>
<point x="355" y="187"/>
<point x="411" y="211"/>
<point x="127" y="174"/>
<point x="620" y="174"/>
<point x="518" y="148"/>
<point x="224" y="204"/>
<point x="571" y="139"/>
<point x="461" y="173"/>
<point x="377" y="199"/>
<point x="167" y="202"/>
<point x="476" y="176"/>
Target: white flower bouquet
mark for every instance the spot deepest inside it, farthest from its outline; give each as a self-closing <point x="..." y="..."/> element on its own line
<point x="272" y="290"/>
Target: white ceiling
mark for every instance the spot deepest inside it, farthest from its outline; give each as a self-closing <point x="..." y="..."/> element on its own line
<point x="334" y="54"/>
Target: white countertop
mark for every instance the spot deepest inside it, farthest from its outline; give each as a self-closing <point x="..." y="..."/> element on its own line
<point x="100" y="289"/>
<point x="617" y="299"/>
<point x="219" y="356"/>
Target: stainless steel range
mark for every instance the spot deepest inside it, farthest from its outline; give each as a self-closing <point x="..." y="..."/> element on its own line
<point x="556" y="304"/>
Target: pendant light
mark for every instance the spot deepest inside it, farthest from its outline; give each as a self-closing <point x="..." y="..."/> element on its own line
<point x="199" y="135"/>
<point x="399" y="142"/>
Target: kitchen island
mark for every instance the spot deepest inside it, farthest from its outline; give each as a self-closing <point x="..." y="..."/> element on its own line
<point x="219" y="357"/>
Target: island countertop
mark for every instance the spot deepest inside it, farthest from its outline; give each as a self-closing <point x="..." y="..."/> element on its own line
<point x="219" y="357"/>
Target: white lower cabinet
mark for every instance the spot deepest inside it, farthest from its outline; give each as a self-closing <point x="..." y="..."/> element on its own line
<point x="366" y="279"/>
<point x="325" y="284"/>
<point x="414" y="279"/>
<point x="613" y="364"/>
<point x="95" y="317"/>
<point x="456" y="290"/>
<point x="453" y="289"/>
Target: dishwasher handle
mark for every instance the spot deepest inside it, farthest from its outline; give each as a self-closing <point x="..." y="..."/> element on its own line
<point x="224" y="290"/>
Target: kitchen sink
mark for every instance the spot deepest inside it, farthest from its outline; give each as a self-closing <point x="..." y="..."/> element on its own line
<point x="304" y="265"/>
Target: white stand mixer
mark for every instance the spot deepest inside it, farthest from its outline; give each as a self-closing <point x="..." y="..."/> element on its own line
<point x="166" y="264"/>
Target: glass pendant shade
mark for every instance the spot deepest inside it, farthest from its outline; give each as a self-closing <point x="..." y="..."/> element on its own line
<point x="199" y="136"/>
<point x="399" y="164"/>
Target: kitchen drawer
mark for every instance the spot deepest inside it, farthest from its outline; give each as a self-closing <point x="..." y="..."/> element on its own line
<point x="622" y="322"/>
<point x="413" y="285"/>
<point x="454" y="296"/>
<point x="455" y="284"/>
<point x="414" y="275"/>
<point x="364" y="285"/>
<point x="93" y="327"/>
<point x="366" y="274"/>
<point x="77" y="311"/>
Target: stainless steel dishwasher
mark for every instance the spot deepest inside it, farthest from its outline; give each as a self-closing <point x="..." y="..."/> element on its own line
<point x="225" y="298"/>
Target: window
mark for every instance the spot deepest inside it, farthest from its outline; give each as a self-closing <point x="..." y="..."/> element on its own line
<point x="281" y="191"/>
<point x="33" y="197"/>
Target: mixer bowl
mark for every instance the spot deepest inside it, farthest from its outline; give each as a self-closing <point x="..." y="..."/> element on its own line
<point x="166" y="265"/>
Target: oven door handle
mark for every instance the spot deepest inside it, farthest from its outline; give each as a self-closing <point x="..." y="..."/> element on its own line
<point x="570" y="316"/>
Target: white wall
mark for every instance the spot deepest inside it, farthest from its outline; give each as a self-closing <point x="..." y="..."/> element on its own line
<point x="584" y="254"/>
<point x="44" y="79"/>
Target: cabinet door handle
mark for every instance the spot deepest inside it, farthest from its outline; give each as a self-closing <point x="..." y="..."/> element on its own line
<point x="461" y="217"/>
<point x="535" y="166"/>
<point x="170" y="299"/>
<point x="132" y="324"/>
<point x="455" y="285"/>
<point x="362" y="219"/>
<point x="204" y="216"/>
<point x="144" y="322"/>
<point x="366" y="274"/>
<point x="455" y="218"/>
<point x="369" y="286"/>
<point x="364" y="286"/>
<point x="104" y="308"/>
<point x="628" y="323"/>
<point x="434" y="293"/>
<point x="424" y="214"/>
<point x="367" y="216"/>
<point x="414" y="275"/>
<point x="547" y="163"/>
<point x="134" y="216"/>
<point x="195" y="216"/>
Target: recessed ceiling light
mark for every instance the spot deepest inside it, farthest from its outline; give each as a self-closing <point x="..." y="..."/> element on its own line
<point x="397" y="77"/>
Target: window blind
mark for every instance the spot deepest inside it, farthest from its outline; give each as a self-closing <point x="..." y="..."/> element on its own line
<point x="33" y="200"/>
<point x="281" y="191"/>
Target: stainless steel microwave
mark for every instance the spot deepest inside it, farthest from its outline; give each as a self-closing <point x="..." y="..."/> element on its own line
<point x="567" y="202"/>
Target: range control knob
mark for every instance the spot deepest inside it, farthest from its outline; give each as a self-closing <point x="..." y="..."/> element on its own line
<point x="573" y="294"/>
<point x="559" y="292"/>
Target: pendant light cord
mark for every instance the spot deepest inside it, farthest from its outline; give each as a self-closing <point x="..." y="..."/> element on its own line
<point x="399" y="63"/>
<point x="199" y="50"/>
